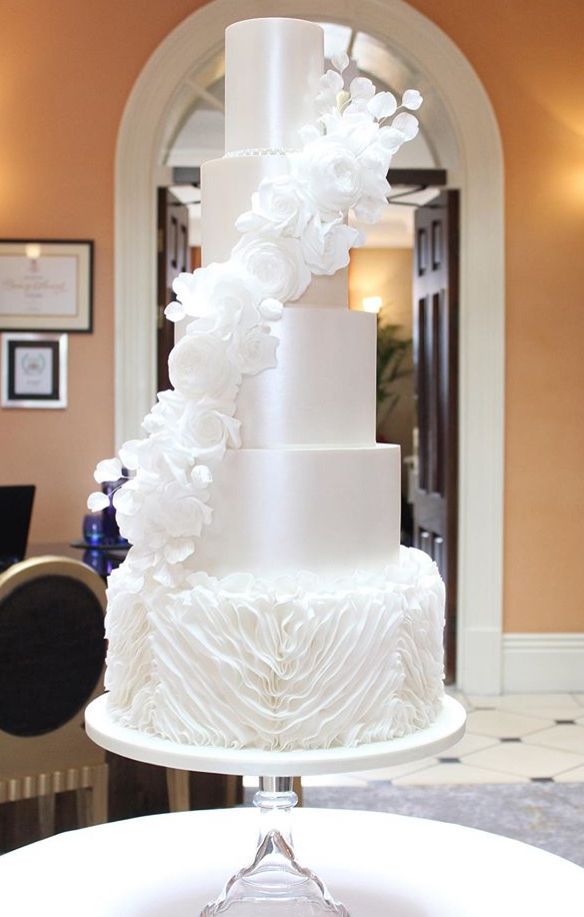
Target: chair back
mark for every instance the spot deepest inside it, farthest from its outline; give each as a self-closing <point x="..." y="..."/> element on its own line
<point x="52" y="653"/>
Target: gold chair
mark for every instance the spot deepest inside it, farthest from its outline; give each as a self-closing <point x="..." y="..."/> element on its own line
<point x="52" y="652"/>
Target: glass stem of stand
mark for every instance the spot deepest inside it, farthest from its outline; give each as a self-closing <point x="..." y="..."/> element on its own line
<point x="275" y="800"/>
<point x="274" y="883"/>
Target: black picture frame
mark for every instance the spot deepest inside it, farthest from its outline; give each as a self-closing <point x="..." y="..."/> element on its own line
<point x="34" y="371"/>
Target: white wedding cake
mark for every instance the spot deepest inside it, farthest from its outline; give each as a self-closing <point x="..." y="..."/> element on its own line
<point x="266" y="601"/>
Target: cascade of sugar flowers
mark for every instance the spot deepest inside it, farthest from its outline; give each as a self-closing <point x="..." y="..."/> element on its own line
<point x="296" y="227"/>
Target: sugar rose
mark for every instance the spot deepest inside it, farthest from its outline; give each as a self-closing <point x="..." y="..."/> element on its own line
<point x="331" y="175"/>
<point x="256" y="349"/>
<point x="276" y="265"/>
<point x="211" y="432"/>
<point x="198" y="365"/>
<point x="277" y="208"/>
<point x="326" y="245"/>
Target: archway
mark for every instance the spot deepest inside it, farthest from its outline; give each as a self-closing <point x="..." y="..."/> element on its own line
<point x="471" y="147"/>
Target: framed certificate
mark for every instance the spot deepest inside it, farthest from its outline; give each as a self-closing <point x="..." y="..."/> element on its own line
<point x="34" y="371"/>
<point x="46" y="285"/>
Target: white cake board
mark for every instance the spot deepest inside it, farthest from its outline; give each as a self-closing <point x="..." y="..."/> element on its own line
<point x="447" y="729"/>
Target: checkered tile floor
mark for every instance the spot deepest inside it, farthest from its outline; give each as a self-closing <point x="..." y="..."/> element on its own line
<point x="518" y="738"/>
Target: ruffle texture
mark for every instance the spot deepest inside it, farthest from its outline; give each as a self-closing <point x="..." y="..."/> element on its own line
<point x="282" y="664"/>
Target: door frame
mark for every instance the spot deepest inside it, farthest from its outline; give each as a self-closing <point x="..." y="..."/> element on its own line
<point x="468" y="145"/>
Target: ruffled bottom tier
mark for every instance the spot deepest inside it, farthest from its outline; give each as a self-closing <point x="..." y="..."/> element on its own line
<point x="287" y="664"/>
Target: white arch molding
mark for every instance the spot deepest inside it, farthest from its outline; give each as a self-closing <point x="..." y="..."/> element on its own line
<point x="160" y="99"/>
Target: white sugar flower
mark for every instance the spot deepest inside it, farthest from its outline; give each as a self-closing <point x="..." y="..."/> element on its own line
<point x="361" y="88"/>
<point x="340" y="61"/>
<point x="310" y="132"/>
<point x="126" y="581"/>
<point x="276" y="266"/>
<point x="179" y="513"/>
<point x="97" y="501"/>
<point x="229" y="290"/>
<point x="412" y="99"/>
<point x="198" y="365"/>
<point x="331" y="175"/>
<point x="375" y="161"/>
<point x="361" y="91"/>
<point x="373" y="201"/>
<point x="201" y="476"/>
<point x="276" y="208"/>
<point x="166" y="575"/>
<point x="175" y="311"/>
<point x="178" y="549"/>
<point x="407" y="124"/>
<point x="150" y="459"/>
<point x="271" y="309"/>
<point x="187" y="289"/>
<point x="162" y="415"/>
<point x="168" y="455"/>
<point x="211" y="433"/>
<point x="356" y="130"/>
<point x="161" y="509"/>
<point x="127" y="500"/>
<point x="108" y="470"/>
<point x="326" y="245"/>
<point x="391" y="139"/>
<point x="370" y="208"/>
<point x="130" y="454"/>
<point x="129" y="504"/>
<point x="219" y="294"/>
<point x="382" y="105"/>
<point x="331" y="83"/>
<point x="256" y="350"/>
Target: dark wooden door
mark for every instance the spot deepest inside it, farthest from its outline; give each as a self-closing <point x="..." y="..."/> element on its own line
<point x="173" y="258"/>
<point x="436" y="271"/>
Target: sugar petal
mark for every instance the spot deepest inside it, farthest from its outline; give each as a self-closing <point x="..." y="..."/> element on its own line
<point x="97" y="501"/>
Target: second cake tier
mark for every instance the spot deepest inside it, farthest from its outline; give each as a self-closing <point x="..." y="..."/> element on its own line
<point x="322" y="391"/>
<point x="278" y="511"/>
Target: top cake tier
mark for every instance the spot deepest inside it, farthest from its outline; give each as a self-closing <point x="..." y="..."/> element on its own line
<point x="267" y="100"/>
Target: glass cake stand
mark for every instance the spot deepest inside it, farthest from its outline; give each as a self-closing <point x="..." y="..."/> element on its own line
<point x="274" y="884"/>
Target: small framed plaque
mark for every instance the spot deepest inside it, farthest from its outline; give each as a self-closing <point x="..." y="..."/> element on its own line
<point x="34" y="371"/>
<point x="46" y="285"/>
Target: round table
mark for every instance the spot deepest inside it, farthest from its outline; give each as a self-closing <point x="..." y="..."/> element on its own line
<point x="379" y="865"/>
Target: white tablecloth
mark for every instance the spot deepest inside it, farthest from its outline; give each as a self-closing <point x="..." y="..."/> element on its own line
<point x="378" y="865"/>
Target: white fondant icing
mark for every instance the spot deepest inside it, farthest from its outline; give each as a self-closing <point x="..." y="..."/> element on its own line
<point x="324" y="390"/>
<point x="272" y="73"/>
<point x="281" y="664"/>
<point x="277" y="511"/>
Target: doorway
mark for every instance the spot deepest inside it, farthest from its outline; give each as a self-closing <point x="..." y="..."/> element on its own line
<point x="409" y="277"/>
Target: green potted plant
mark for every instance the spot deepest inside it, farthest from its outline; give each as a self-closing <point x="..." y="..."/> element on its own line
<point x="392" y="352"/>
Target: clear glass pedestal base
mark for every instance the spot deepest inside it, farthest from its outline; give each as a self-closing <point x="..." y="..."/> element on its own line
<point x="275" y="885"/>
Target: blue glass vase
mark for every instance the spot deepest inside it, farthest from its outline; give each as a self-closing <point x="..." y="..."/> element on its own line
<point x="93" y="529"/>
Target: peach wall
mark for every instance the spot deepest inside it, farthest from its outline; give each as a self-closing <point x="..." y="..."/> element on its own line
<point x="65" y="72"/>
<point x="529" y="57"/>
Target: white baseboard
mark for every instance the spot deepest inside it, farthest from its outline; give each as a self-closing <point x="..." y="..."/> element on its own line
<point x="543" y="663"/>
<point x="478" y="667"/>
